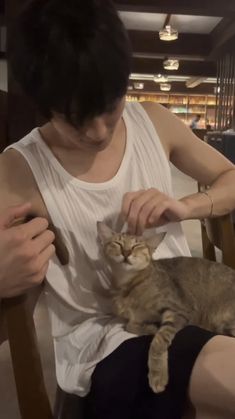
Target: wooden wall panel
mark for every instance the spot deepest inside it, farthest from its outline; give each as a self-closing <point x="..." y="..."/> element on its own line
<point x="21" y="113"/>
<point x="3" y="120"/>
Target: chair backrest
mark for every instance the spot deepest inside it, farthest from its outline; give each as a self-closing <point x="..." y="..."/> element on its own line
<point x="221" y="233"/>
<point x="32" y="395"/>
<point x="218" y="233"/>
<point x="17" y="314"/>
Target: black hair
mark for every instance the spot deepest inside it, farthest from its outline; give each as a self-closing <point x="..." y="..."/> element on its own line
<point x="71" y="56"/>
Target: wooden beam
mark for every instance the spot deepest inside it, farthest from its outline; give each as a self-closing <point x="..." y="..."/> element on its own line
<point x="184" y="7"/>
<point x="191" y="45"/>
<point x="187" y="68"/>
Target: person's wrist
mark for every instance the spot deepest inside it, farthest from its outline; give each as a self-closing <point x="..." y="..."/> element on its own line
<point x="199" y="205"/>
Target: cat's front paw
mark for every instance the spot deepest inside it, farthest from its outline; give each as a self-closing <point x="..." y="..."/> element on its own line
<point x="158" y="374"/>
<point x="158" y="381"/>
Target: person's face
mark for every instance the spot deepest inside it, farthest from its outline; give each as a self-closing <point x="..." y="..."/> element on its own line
<point x="95" y="134"/>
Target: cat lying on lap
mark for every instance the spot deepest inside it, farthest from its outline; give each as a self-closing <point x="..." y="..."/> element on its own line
<point x="160" y="297"/>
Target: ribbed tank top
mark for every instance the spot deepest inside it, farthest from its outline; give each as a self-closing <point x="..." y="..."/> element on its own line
<point x="83" y="327"/>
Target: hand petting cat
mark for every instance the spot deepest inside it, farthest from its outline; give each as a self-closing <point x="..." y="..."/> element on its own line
<point x="151" y="208"/>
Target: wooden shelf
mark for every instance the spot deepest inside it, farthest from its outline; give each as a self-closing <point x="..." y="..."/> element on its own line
<point x="184" y="106"/>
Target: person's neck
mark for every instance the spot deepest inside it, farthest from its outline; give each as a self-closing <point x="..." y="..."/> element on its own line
<point x="85" y="165"/>
<point x="54" y="140"/>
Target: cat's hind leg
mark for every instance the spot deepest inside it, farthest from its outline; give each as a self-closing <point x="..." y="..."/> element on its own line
<point x="229" y="330"/>
<point x="224" y="322"/>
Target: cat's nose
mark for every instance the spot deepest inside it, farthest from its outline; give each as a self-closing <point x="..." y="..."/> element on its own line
<point x="126" y="252"/>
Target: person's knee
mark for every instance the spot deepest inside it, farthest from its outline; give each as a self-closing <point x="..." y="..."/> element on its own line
<point x="212" y="383"/>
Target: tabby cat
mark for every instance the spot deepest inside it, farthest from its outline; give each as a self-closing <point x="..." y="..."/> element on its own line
<point x="161" y="297"/>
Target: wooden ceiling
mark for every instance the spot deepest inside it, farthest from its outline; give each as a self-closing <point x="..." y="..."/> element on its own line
<point x="197" y="52"/>
<point x="180" y="7"/>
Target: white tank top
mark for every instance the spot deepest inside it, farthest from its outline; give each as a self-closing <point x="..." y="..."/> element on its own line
<point x="83" y="327"/>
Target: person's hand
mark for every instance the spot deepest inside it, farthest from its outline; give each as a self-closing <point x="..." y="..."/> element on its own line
<point x="150" y="208"/>
<point x="25" y="251"/>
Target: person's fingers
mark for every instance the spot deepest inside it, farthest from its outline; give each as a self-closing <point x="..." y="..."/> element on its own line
<point x="43" y="259"/>
<point x="32" y="228"/>
<point x="35" y="264"/>
<point x="13" y="213"/>
<point x="136" y="207"/>
<point x="145" y="212"/>
<point x="42" y="241"/>
<point x="126" y="203"/>
<point x="29" y="282"/>
<point x="35" y="272"/>
<point x="158" y="216"/>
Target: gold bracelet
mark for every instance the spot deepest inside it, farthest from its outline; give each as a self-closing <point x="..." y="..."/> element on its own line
<point x="211" y="201"/>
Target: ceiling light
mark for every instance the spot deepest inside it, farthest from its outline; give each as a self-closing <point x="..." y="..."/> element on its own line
<point x="165" y="87"/>
<point x="139" y="86"/>
<point x="171" y="64"/>
<point x="168" y="33"/>
<point x="160" y="79"/>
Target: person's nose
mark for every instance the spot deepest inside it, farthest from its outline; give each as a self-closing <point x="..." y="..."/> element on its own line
<point x="98" y="130"/>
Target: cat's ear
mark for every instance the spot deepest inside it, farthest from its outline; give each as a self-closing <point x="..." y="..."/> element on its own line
<point x="154" y="241"/>
<point x="104" y="232"/>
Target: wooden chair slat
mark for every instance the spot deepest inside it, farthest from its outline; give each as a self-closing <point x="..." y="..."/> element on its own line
<point x="32" y="395"/>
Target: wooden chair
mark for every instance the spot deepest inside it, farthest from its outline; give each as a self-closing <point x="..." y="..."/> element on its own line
<point x="17" y="324"/>
<point x="17" y="316"/>
<point x="218" y="233"/>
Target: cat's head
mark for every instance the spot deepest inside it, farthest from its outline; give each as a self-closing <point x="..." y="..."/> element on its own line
<point x="126" y="252"/>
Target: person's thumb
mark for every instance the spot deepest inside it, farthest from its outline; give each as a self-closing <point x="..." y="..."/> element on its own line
<point x="13" y="213"/>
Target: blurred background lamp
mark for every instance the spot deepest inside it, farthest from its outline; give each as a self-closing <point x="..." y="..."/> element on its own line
<point x="165" y="87"/>
<point x="138" y="86"/>
<point x="168" y="33"/>
<point x="171" y="64"/>
<point x="160" y="79"/>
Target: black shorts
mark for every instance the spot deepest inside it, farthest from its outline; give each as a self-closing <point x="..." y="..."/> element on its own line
<point x="120" y="388"/>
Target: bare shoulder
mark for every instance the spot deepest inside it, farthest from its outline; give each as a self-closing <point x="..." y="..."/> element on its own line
<point x="153" y="109"/>
<point x="15" y="174"/>
<point x="17" y="183"/>
<point x="161" y="119"/>
<point x="184" y="149"/>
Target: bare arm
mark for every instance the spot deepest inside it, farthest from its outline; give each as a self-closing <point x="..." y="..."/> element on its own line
<point x="197" y="159"/>
<point x="152" y="208"/>
<point x="25" y="250"/>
